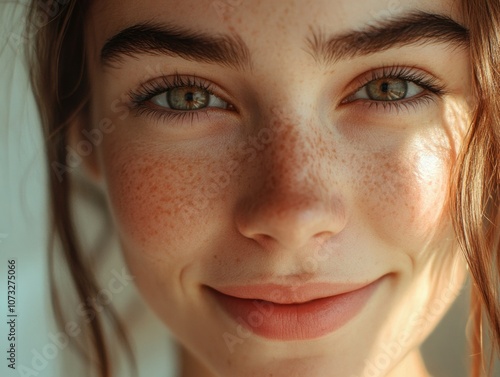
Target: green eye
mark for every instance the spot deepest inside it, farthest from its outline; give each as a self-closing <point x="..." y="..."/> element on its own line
<point x="388" y="89"/>
<point x="186" y="98"/>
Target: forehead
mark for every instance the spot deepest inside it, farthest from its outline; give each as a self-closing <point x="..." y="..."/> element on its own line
<point x="262" y="25"/>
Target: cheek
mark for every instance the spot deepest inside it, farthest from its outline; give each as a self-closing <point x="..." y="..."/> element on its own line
<point x="159" y="200"/>
<point x="404" y="193"/>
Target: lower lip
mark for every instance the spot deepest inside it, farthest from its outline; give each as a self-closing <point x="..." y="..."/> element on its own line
<point x="309" y="320"/>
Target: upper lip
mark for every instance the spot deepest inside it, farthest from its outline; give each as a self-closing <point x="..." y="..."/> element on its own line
<point x="290" y="294"/>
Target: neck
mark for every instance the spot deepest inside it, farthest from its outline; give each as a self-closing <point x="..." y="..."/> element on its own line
<point x="411" y="366"/>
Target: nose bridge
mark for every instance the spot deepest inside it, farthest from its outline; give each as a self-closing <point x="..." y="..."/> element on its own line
<point x="301" y="157"/>
<point x="291" y="200"/>
<point x="289" y="163"/>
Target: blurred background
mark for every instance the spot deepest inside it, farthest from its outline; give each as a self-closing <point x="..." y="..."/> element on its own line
<point x="23" y="237"/>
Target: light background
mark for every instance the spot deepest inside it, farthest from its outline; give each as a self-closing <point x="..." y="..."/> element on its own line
<point x="23" y="229"/>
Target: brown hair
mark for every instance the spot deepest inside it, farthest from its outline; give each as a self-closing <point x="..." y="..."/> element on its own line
<point x="477" y="196"/>
<point x="59" y="79"/>
<point x="56" y="56"/>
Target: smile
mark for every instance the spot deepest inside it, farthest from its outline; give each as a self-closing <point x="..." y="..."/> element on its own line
<point x="294" y="313"/>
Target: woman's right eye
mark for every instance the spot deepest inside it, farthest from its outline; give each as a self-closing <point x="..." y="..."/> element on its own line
<point x="186" y="98"/>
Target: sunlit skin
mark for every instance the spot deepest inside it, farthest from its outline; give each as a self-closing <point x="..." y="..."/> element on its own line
<point x="299" y="179"/>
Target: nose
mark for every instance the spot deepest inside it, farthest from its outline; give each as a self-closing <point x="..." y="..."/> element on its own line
<point x="292" y="200"/>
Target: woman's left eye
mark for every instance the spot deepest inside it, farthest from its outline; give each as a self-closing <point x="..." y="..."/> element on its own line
<point x="388" y="89"/>
<point x="185" y="98"/>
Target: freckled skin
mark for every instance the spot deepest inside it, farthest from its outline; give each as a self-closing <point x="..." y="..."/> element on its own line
<point x="293" y="187"/>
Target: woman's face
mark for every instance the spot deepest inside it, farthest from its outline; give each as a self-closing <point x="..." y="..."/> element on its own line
<point x="278" y="173"/>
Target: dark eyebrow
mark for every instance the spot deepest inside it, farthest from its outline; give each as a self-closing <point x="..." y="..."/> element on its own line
<point x="231" y="50"/>
<point x="156" y="39"/>
<point x="411" y="29"/>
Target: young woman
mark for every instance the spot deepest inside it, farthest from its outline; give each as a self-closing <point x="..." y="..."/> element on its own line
<point x="283" y="176"/>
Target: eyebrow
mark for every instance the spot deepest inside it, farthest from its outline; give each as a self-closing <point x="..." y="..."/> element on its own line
<point x="230" y="50"/>
<point x="162" y="39"/>
<point x="417" y="28"/>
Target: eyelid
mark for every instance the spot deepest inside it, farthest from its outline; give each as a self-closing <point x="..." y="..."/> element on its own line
<point x="141" y="106"/>
<point x="146" y="91"/>
<point x="411" y="87"/>
<point x="421" y="77"/>
<point x="214" y="101"/>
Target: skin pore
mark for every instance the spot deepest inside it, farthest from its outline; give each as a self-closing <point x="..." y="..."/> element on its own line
<point x="294" y="174"/>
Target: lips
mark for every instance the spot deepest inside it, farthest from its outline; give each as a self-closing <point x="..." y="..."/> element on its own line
<point x="303" y="312"/>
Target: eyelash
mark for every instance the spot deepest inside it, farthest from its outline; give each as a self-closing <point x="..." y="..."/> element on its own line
<point x="433" y="89"/>
<point x="139" y="98"/>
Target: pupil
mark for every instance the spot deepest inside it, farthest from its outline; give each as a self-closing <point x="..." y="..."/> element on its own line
<point x="187" y="98"/>
<point x="387" y="89"/>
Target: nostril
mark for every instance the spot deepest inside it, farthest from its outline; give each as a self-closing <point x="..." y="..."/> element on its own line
<point x="267" y="242"/>
<point x="322" y="237"/>
<point x="289" y="220"/>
